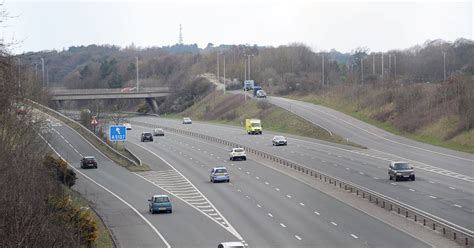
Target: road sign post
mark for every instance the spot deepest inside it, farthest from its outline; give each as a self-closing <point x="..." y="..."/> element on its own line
<point x="94" y="122"/>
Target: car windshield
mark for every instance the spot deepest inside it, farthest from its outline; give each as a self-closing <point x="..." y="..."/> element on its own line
<point x="221" y="171"/>
<point x="279" y="138"/>
<point x="402" y="166"/>
<point x="239" y="150"/>
<point x="255" y="124"/>
<point x="89" y="160"/>
<point x="147" y="134"/>
<point x="162" y="199"/>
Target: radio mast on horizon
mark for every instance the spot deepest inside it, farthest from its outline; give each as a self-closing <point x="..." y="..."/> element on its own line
<point x="180" y="41"/>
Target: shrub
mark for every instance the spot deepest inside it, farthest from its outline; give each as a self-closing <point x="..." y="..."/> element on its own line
<point x="63" y="174"/>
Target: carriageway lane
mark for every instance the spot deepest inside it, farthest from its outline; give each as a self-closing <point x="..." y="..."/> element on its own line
<point x="449" y="198"/>
<point x="378" y="139"/>
<point x="260" y="196"/>
<point x="183" y="228"/>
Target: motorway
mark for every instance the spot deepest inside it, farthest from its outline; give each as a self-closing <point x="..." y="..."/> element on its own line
<point x="378" y="140"/>
<point x="448" y="197"/>
<point x="263" y="207"/>
<point x="121" y="200"/>
<point x="268" y="209"/>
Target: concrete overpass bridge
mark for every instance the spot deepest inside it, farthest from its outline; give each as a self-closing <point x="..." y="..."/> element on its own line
<point x="149" y="94"/>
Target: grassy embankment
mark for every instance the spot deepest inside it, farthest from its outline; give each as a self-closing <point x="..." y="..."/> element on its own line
<point x="233" y="110"/>
<point x="434" y="133"/>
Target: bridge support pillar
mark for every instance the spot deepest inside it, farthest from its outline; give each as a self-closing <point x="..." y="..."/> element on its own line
<point x="152" y="104"/>
<point x="59" y="104"/>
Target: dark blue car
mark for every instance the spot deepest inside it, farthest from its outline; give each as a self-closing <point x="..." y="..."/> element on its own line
<point x="160" y="203"/>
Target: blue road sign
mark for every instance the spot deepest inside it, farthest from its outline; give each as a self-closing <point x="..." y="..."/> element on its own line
<point x="118" y="133"/>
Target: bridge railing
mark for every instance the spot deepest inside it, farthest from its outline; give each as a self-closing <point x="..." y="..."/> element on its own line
<point x="62" y="91"/>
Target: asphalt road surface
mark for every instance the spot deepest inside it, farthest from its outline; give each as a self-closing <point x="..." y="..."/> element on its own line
<point x="121" y="201"/>
<point x="445" y="196"/>
<point x="268" y="209"/>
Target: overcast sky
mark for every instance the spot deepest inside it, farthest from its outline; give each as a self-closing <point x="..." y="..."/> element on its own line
<point x="380" y="26"/>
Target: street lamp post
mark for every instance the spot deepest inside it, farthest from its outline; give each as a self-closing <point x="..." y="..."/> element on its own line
<point x="322" y="61"/>
<point x="248" y="57"/>
<point x="19" y="76"/>
<point x="138" y="84"/>
<point x="42" y="64"/>
<point x="444" y="66"/>
<point x="224" y="74"/>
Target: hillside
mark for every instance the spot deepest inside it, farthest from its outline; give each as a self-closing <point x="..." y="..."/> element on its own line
<point x="233" y="110"/>
<point x="438" y="114"/>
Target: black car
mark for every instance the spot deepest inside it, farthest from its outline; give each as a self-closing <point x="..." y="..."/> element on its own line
<point x="147" y="136"/>
<point x="400" y="170"/>
<point x="88" y="162"/>
<point x="279" y="141"/>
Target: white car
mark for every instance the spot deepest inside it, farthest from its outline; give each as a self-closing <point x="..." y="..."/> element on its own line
<point x="128" y="126"/>
<point x="237" y="244"/>
<point x="238" y="153"/>
<point x="187" y="120"/>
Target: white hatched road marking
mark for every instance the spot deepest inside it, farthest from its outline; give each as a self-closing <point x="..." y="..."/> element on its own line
<point x="416" y="164"/>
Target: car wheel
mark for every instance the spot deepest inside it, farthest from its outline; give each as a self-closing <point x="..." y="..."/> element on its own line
<point x="231" y="159"/>
<point x="396" y="179"/>
<point x="245" y="158"/>
<point x="390" y="177"/>
<point x="228" y="180"/>
<point x="95" y="166"/>
<point x="413" y="178"/>
<point x="171" y="211"/>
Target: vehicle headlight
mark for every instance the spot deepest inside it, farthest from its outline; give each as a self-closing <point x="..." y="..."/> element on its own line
<point x="412" y="173"/>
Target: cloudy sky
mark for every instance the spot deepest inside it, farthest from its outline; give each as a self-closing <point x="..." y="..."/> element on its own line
<point x="343" y="25"/>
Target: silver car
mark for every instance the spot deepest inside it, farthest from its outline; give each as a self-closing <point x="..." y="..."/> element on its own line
<point x="279" y="141"/>
<point x="158" y="132"/>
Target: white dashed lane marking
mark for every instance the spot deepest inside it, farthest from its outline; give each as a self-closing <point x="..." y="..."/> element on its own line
<point x="283" y="225"/>
<point x="354" y="236"/>
<point x="317" y="213"/>
<point x="434" y="197"/>
<point x="334" y="223"/>
<point x="297" y="237"/>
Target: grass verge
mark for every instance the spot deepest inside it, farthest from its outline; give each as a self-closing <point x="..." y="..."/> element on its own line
<point x="233" y="110"/>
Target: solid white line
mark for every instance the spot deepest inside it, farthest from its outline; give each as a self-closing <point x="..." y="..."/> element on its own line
<point x="115" y="195"/>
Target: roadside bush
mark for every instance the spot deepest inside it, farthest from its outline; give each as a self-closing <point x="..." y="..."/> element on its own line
<point x="63" y="174"/>
<point x="80" y="219"/>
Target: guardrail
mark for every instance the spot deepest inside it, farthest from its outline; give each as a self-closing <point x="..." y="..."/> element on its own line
<point x="109" y="151"/>
<point x="444" y="227"/>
